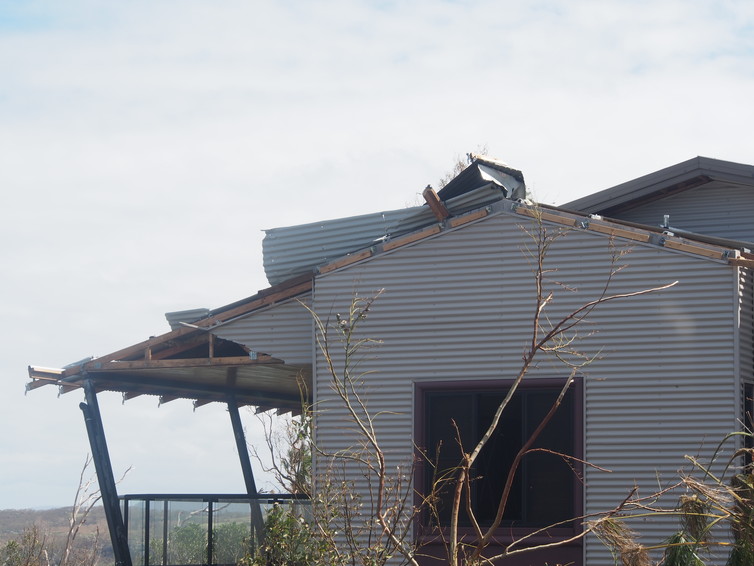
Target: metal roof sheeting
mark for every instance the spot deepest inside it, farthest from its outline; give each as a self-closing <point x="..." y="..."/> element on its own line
<point x="682" y="176"/>
<point x="295" y="250"/>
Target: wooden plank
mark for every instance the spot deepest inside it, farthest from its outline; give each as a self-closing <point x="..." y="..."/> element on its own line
<point x="185" y="363"/>
<point x="683" y="246"/>
<point x="262" y="302"/>
<point x="435" y="204"/>
<point x="539" y="214"/>
<point x="135" y="349"/>
<point x="613" y="230"/>
<point x="50" y="374"/>
<point x="742" y="261"/>
<point x="347" y="260"/>
<point x="138" y="349"/>
<point x="411" y="238"/>
<point x="466" y="218"/>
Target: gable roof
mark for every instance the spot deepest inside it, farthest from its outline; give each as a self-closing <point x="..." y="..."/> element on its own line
<point x="683" y="176"/>
<point x="188" y="362"/>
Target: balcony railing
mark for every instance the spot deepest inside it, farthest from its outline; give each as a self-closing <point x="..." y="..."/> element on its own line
<point x="187" y="530"/>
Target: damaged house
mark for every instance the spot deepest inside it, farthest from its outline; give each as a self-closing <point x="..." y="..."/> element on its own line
<point x="671" y="374"/>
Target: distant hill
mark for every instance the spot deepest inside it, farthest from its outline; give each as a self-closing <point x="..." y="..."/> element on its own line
<point x="54" y="524"/>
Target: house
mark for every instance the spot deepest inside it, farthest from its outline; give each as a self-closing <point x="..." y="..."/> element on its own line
<point x="671" y="371"/>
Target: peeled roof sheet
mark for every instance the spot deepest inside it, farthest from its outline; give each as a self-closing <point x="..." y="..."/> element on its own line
<point x="295" y="250"/>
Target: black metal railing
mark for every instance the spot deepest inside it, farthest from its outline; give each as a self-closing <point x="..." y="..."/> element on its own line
<point x="205" y="529"/>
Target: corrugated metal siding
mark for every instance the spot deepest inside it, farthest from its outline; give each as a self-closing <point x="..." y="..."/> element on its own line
<point x="746" y="285"/>
<point x="282" y="331"/>
<point x="459" y="306"/>
<point x="295" y="250"/>
<point x="717" y="209"/>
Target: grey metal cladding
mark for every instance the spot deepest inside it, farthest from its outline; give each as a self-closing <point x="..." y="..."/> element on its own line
<point x="717" y="209"/>
<point x="459" y="306"/>
<point x="283" y="331"/>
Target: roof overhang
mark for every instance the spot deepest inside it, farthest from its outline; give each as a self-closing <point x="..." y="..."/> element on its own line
<point x="687" y="175"/>
<point x="263" y="382"/>
<point x="190" y="362"/>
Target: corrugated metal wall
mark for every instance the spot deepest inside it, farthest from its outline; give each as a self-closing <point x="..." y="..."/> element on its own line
<point x="459" y="306"/>
<point x="746" y="321"/>
<point x="717" y="209"/>
<point x="282" y="331"/>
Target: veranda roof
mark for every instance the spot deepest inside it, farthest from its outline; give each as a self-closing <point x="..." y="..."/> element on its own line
<point x="191" y="363"/>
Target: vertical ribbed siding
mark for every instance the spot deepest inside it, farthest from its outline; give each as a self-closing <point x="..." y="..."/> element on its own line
<point x="746" y="321"/>
<point x="459" y="306"/>
<point x="283" y="331"/>
<point x="716" y="209"/>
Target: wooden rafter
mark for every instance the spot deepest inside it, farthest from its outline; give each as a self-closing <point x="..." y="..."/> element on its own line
<point x="264" y="298"/>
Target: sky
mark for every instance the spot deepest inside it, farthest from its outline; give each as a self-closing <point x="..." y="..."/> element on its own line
<point x="146" y="145"/>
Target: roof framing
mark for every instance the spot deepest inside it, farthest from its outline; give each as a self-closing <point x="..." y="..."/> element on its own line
<point x="191" y="362"/>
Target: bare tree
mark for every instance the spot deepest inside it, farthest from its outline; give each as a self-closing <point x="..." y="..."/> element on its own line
<point x="372" y="522"/>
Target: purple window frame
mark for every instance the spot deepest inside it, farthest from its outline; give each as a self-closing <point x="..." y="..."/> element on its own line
<point x="506" y="534"/>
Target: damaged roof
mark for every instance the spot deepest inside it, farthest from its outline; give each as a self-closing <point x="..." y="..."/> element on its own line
<point x="293" y="250"/>
<point x="190" y="362"/>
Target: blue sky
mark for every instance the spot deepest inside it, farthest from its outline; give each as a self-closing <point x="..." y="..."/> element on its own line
<point x="145" y="145"/>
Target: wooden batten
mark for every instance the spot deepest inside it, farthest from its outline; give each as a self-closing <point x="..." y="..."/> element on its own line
<point x="694" y="248"/>
<point x="539" y="214"/>
<point x="411" y="238"/>
<point x="613" y="230"/>
<point x="435" y="204"/>
<point x="741" y="262"/>
<point x="262" y="359"/>
<point x="347" y="260"/>
<point x="466" y="218"/>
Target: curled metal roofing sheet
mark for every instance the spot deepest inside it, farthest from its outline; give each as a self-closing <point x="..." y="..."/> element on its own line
<point x="295" y="250"/>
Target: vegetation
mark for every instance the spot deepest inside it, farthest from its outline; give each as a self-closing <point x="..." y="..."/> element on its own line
<point x="715" y="511"/>
<point x="363" y="508"/>
<point x="60" y="537"/>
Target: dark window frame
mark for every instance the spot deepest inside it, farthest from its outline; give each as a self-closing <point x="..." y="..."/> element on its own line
<point x="506" y="533"/>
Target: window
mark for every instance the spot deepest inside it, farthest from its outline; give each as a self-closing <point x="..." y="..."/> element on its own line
<point x="546" y="488"/>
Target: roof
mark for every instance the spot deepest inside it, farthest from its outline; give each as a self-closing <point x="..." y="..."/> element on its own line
<point x="674" y="179"/>
<point x="294" y="250"/>
<point x="481" y="170"/>
<point x="190" y="362"/>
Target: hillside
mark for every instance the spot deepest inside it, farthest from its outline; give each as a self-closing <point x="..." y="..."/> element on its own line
<point x="54" y="523"/>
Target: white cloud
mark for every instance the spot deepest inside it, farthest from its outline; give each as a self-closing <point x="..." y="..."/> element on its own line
<point x="145" y="145"/>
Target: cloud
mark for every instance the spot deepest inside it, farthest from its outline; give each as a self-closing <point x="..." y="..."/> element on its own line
<point x="145" y="145"/>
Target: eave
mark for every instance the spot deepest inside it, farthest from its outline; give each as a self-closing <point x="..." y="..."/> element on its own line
<point x="191" y="363"/>
<point x="684" y="176"/>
